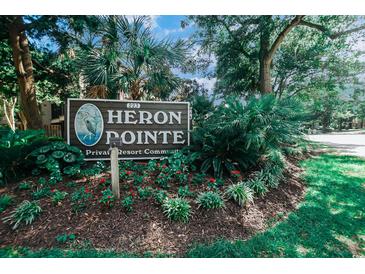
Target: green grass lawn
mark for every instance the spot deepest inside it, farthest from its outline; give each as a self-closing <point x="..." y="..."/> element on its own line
<point x="329" y="222"/>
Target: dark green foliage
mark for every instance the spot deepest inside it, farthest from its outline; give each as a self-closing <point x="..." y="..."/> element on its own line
<point x="41" y="193"/>
<point x="107" y="198"/>
<point x="5" y="201"/>
<point x="235" y="135"/>
<point x="240" y="193"/>
<point x="56" y="157"/>
<point x="210" y="200"/>
<point x="201" y="106"/>
<point x="14" y="149"/>
<point x="80" y="199"/>
<point x="177" y="209"/>
<point x="160" y="196"/>
<point x="58" y="196"/>
<point x="184" y="191"/>
<point x="96" y="169"/>
<point x="24" y="186"/>
<point x="144" y="192"/>
<point x="25" y="213"/>
<point x="258" y="185"/>
<point x="127" y="203"/>
<point x="199" y="178"/>
<point x="64" y="238"/>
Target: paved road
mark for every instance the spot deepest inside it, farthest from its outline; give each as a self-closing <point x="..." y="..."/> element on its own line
<point x="351" y="143"/>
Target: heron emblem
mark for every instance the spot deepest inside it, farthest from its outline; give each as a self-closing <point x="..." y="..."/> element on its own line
<point x="89" y="124"/>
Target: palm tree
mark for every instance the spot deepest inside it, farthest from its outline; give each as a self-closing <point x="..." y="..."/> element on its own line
<point x="127" y="58"/>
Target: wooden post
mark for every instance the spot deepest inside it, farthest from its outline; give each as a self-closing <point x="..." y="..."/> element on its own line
<point x="115" y="171"/>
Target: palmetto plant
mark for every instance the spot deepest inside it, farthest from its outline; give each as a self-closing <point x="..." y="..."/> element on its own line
<point x="238" y="135"/>
<point x="128" y="58"/>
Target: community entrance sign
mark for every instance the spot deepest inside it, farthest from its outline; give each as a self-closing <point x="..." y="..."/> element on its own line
<point x="140" y="129"/>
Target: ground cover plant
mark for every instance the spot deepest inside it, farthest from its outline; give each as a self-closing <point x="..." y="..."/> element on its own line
<point x="328" y="223"/>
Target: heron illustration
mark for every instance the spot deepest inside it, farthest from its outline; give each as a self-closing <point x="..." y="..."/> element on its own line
<point x="91" y="124"/>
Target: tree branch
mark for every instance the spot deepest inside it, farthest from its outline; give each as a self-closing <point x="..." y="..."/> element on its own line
<point x="282" y="35"/>
<point x="328" y="32"/>
<point x="234" y="37"/>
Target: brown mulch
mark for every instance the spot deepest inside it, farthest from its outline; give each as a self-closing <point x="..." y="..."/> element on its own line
<point x="146" y="228"/>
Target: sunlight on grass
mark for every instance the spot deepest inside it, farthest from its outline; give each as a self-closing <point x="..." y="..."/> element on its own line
<point x="329" y="223"/>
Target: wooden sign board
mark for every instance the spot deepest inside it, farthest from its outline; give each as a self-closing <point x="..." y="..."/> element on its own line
<point x="140" y="129"/>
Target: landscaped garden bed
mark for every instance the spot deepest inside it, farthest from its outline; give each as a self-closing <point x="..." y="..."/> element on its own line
<point x="237" y="178"/>
<point x="143" y="227"/>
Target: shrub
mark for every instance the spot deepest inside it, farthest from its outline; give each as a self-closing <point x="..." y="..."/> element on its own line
<point x="42" y="181"/>
<point x="236" y="136"/>
<point x="5" y="201"/>
<point x="25" y="213"/>
<point x="184" y="191"/>
<point x="80" y="199"/>
<point x="210" y="200"/>
<point x="57" y="157"/>
<point x="144" y="192"/>
<point x="240" y="193"/>
<point x="64" y="238"/>
<point x="127" y="203"/>
<point x="177" y="209"/>
<point x="14" y="148"/>
<point x="58" y="196"/>
<point x="107" y="198"/>
<point x="160" y="196"/>
<point x="24" y="186"/>
<point x="199" y="178"/>
<point x="163" y="180"/>
<point x="41" y="193"/>
<point x="258" y="186"/>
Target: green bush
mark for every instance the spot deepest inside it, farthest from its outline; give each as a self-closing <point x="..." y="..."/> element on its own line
<point x="240" y="193"/>
<point x="107" y="198"/>
<point x="80" y="199"/>
<point x="64" y="238"/>
<point x="258" y="186"/>
<point x="160" y="196"/>
<point x="14" y="149"/>
<point x="41" y="193"/>
<point x="237" y="136"/>
<point x="210" y="200"/>
<point x="144" y="192"/>
<point x="58" y="196"/>
<point x="177" y="209"/>
<point x="184" y="191"/>
<point x="25" y="213"/>
<point x="58" y="156"/>
<point x="5" y="201"/>
<point x="24" y="186"/>
<point x="127" y="203"/>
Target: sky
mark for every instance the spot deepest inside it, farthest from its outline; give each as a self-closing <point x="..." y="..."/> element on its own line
<point x="169" y="27"/>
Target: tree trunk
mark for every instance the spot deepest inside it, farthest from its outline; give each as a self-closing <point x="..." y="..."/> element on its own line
<point x="265" y="76"/>
<point x="24" y="69"/>
<point x="265" y="60"/>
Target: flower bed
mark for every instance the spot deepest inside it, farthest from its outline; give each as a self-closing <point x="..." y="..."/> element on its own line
<point x="164" y="208"/>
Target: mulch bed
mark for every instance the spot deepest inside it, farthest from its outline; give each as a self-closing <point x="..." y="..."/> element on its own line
<point x="146" y="228"/>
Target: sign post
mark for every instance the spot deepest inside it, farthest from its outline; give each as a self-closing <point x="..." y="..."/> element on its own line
<point x="115" y="171"/>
